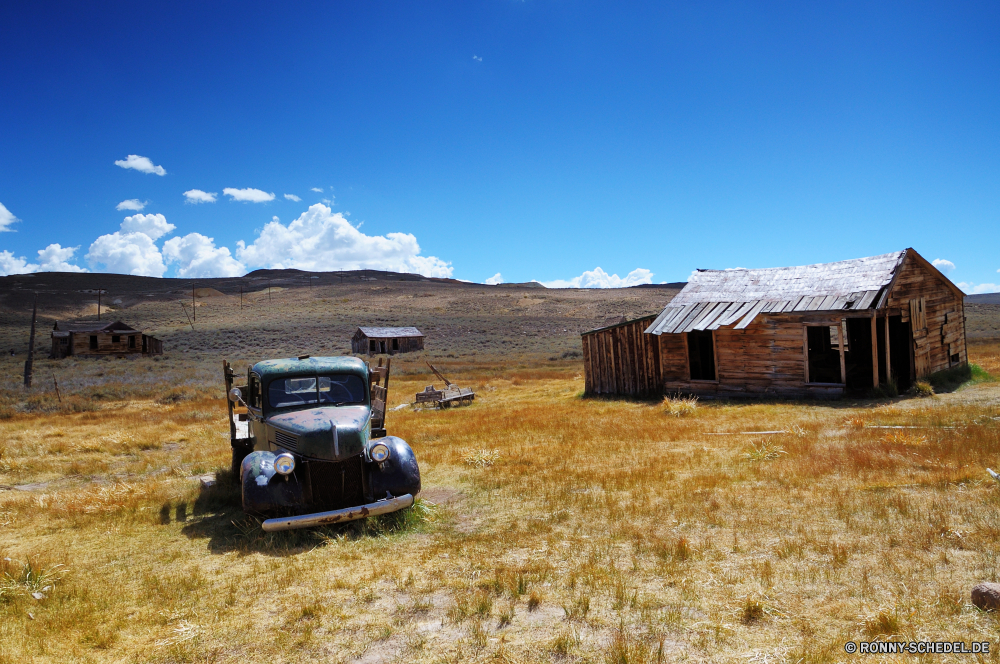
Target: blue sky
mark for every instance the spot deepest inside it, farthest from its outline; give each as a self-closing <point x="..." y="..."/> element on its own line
<point x="536" y="139"/>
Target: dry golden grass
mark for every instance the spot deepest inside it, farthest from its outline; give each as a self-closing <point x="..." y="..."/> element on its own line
<point x="553" y="528"/>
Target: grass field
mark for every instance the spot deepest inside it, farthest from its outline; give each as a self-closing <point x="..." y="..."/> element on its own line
<point x="551" y="528"/>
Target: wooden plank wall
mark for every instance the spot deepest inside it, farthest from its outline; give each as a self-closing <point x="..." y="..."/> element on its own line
<point x="80" y="343"/>
<point x="943" y="315"/>
<point x="360" y="344"/>
<point x="765" y="359"/>
<point x="622" y="360"/>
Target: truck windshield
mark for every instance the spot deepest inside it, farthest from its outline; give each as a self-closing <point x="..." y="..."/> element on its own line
<point x="336" y="389"/>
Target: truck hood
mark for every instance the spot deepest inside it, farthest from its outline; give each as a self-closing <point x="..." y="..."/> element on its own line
<point x="328" y="432"/>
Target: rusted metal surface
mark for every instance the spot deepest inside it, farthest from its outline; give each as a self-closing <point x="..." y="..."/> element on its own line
<point x="338" y="516"/>
<point x="325" y="432"/>
<point x="330" y="444"/>
<point x="310" y="366"/>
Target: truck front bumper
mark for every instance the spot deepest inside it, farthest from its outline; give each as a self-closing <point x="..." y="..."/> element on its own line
<point x="338" y="516"/>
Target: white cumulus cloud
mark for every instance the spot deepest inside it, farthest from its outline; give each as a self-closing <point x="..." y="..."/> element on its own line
<point x="598" y="278"/>
<point x="477" y="58"/>
<point x="127" y="253"/>
<point x="6" y="219"/>
<point x="141" y="164"/>
<point x="55" y="258"/>
<point x="322" y="240"/>
<point x="945" y="266"/>
<point x="11" y="264"/>
<point x="293" y="197"/>
<point x="976" y="289"/>
<point x="198" y="257"/>
<point x="133" y="204"/>
<point x="153" y="225"/>
<point x="495" y="280"/>
<point x="248" y="195"/>
<point x="318" y="190"/>
<point x="199" y="196"/>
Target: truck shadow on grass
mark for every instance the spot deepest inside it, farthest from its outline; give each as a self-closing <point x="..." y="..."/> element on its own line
<point x="216" y="515"/>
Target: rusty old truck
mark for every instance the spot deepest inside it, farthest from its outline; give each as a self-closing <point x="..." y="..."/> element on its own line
<point x="310" y="446"/>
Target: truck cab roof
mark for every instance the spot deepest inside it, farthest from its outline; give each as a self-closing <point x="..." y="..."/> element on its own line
<point x="293" y="366"/>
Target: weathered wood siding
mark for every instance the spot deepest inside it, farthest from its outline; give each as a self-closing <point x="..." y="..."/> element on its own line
<point x="765" y="359"/>
<point x="78" y="343"/>
<point x="622" y="360"/>
<point x="939" y="329"/>
<point x="361" y="344"/>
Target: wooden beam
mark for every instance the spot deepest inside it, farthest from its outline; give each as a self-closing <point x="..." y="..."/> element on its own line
<point x="715" y="355"/>
<point x="805" y="351"/>
<point x="843" y="361"/>
<point x="888" y="362"/>
<point x="874" y="353"/>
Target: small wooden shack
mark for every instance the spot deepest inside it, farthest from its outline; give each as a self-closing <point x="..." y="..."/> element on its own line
<point x="622" y="359"/>
<point x="94" y="339"/>
<point x="386" y="340"/>
<point x="814" y="330"/>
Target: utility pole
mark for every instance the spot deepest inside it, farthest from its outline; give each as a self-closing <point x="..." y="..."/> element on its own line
<point x="241" y="297"/>
<point x="99" y="291"/>
<point x="31" y="346"/>
<point x="194" y="311"/>
<point x="269" y="291"/>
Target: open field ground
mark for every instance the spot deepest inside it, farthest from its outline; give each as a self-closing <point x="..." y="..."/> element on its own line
<point x="551" y="528"/>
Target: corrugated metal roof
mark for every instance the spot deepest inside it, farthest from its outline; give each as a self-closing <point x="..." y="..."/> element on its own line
<point x="715" y="298"/>
<point x="390" y="332"/>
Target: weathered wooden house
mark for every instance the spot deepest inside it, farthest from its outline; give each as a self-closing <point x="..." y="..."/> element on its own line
<point x="386" y="340"/>
<point x="812" y="330"/>
<point x="94" y="339"/>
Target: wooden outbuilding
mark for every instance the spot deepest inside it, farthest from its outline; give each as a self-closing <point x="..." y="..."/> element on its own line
<point x="94" y="340"/>
<point x="386" y="340"/>
<point x="813" y="330"/>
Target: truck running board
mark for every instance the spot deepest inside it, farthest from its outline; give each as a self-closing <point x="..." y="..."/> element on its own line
<point x="338" y="516"/>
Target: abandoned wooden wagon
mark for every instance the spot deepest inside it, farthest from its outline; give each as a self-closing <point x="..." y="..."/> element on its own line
<point x="386" y="340"/>
<point x="813" y="330"/>
<point x="94" y="339"/>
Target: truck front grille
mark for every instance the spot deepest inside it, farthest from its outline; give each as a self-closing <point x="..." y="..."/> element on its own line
<point x="337" y="484"/>
<point x="286" y="440"/>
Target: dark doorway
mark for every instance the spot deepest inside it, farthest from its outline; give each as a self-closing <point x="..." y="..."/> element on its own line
<point x="883" y="376"/>
<point x="823" y="344"/>
<point x="701" y="355"/>
<point x="93" y="342"/>
<point x="858" y="358"/>
<point x="899" y="352"/>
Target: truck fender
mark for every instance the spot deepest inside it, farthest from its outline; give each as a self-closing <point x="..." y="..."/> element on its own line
<point x="265" y="491"/>
<point x="399" y="474"/>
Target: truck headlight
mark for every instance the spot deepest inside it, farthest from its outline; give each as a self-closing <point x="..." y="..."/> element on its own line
<point x="284" y="463"/>
<point x="379" y="452"/>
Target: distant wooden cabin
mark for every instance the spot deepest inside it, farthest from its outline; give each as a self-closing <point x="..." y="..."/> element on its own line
<point x="386" y="340"/>
<point x="814" y="330"/>
<point x="96" y="339"/>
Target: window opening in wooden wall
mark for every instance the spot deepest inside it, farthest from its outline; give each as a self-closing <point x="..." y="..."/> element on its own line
<point x="395" y="344"/>
<point x="115" y="339"/>
<point x="93" y="342"/>
<point x="823" y="343"/>
<point x="131" y="341"/>
<point x="701" y="355"/>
